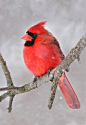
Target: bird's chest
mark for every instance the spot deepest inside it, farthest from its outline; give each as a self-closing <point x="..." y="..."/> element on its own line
<point x="35" y="54"/>
<point x="41" y="58"/>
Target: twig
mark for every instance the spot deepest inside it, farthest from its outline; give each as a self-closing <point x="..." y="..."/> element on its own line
<point x="9" y="82"/>
<point x="10" y="103"/>
<point x="6" y="71"/>
<point x="55" y="74"/>
<point x="5" y="95"/>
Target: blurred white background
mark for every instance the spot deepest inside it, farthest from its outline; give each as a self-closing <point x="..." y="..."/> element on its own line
<point x="67" y="22"/>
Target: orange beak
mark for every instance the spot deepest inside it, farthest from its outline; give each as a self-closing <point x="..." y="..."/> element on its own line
<point x="27" y="37"/>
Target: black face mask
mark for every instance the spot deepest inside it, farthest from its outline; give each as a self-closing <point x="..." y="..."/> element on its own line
<point x="30" y="43"/>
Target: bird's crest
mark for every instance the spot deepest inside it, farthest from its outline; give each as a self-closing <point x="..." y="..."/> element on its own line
<point x="41" y="23"/>
<point x="37" y="26"/>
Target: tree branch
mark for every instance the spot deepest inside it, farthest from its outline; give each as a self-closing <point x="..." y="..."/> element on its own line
<point x="6" y="71"/>
<point x="9" y="82"/>
<point x="10" y="103"/>
<point x="54" y="76"/>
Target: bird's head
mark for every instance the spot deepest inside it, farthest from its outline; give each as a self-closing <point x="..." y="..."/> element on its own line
<point x="33" y="32"/>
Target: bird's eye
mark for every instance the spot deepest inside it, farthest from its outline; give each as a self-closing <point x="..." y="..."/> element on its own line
<point x="34" y="35"/>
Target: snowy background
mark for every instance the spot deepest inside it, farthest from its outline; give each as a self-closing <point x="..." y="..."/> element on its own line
<point x="67" y="22"/>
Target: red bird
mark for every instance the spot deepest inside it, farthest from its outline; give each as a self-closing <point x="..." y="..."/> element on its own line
<point x="42" y="52"/>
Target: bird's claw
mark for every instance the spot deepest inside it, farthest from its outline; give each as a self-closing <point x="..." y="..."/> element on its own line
<point x="35" y="80"/>
<point x="68" y="69"/>
<point x="48" y="72"/>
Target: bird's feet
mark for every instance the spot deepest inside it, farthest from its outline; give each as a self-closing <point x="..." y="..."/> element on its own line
<point x="35" y="80"/>
<point x="68" y="69"/>
<point x="48" y="72"/>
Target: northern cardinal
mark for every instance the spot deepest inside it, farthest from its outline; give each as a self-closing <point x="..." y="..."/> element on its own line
<point x="42" y="52"/>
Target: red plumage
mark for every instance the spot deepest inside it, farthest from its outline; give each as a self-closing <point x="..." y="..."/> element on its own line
<point x="41" y="53"/>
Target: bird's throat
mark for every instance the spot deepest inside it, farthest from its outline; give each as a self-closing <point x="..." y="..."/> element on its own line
<point x="29" y="43"/>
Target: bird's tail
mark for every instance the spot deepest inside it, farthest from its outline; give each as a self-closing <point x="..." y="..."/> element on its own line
<point x="68" y="92"/>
